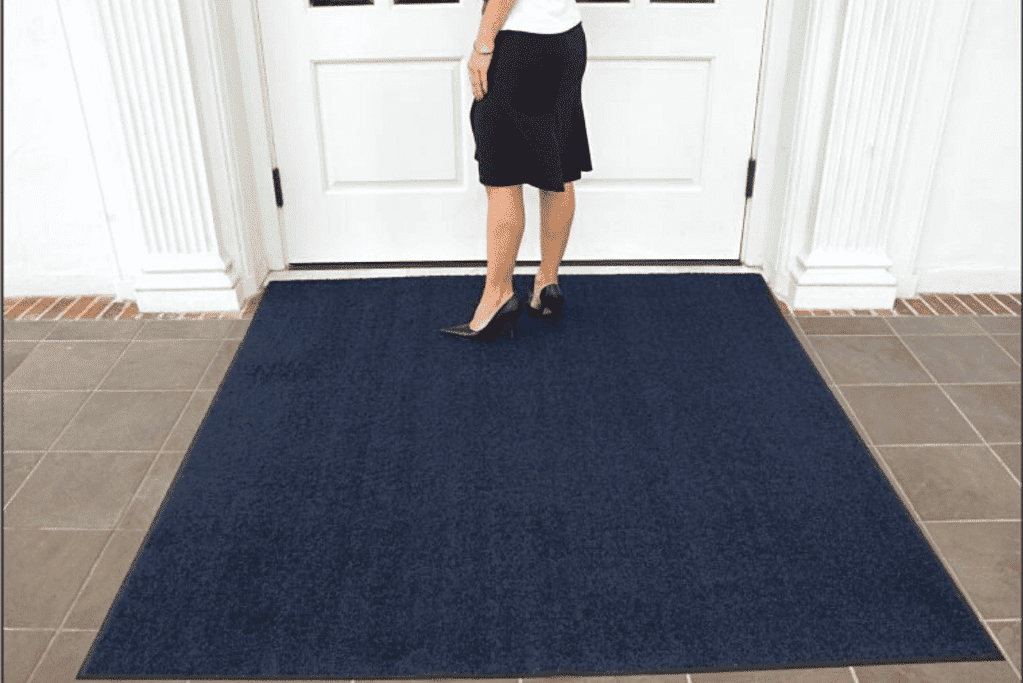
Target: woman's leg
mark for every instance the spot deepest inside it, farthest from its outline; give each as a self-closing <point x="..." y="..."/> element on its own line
<point x="556" y="212"/>
<point x="506" y="221"/>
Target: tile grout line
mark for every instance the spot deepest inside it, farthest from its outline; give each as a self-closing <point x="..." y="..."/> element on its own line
<point x="56" y="632"/>
<point x="904" y="498"/>
<point x="989" y="446"/>
<point x="127" y="508"/>
<point x="983" y="333"/>
<point x="923" y="527"/>
<point x="92" y="391"/>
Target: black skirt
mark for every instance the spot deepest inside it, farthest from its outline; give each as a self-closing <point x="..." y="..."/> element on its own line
<point x="529" y="126"/>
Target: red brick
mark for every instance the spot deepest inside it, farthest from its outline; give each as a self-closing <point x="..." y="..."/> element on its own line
<point x="58" y="308"/>
<point x="953" y="303"/>
<point x="130" y="312"/>
<point x="42" y="305"/>
<point x="1010" y="303"/>
<point x="902" y="308"/>
<point x="974" y="304"/>
<point x="114" y="310"/>
<point x="76" y="309"/>
<point x="23" y="305"/>
<point x="93" y="312"/>
<point x="936" y="303"/>
<point x="993" y="304"/>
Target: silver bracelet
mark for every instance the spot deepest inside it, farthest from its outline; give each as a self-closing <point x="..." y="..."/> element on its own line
<point x="477" y="48"/>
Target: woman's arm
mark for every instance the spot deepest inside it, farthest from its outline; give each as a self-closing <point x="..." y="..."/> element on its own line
<point x="494" y="14"/>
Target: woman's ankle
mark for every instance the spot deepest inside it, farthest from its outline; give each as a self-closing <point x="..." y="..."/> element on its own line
<point x="544" y="280"/>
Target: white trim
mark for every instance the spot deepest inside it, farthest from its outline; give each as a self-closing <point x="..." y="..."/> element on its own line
<point x="268" y="237"/>
<point x="760" y="230"/>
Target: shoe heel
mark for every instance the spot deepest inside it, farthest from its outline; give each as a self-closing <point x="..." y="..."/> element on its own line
<point x="510" y="321"/>
<point x="551" y="299"/>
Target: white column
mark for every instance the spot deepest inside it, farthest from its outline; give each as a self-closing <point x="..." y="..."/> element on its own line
<point x="842" y="260"/>
<point x="182" y="262"/>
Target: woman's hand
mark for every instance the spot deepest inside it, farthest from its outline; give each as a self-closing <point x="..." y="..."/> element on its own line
<point x="478" y="66"/>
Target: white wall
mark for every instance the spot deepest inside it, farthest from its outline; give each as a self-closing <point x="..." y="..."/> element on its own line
<point x="55" y="236"/>
<point x="56" y="240"/>
<point x="972" y="229"/>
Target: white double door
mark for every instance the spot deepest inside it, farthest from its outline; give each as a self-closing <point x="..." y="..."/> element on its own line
<point x="370" y="124"/>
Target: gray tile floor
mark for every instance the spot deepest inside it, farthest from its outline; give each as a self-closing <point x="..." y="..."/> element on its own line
<point x="98" y="415"/>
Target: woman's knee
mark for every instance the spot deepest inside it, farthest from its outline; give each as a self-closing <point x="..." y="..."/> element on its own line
<point x="568" y="186"/>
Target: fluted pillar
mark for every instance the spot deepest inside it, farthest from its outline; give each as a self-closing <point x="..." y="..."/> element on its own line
<point x="844" y="261"/>
<point x="183" y="265"/>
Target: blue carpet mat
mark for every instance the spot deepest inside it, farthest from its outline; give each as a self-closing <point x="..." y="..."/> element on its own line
<point x="664" y="484"/>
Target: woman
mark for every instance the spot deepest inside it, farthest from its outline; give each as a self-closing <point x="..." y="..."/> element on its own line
<point x="527" y="120"/>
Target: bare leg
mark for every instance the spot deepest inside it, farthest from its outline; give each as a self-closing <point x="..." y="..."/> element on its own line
<point x="556" y="212"/>
<point x="506" y="221"/>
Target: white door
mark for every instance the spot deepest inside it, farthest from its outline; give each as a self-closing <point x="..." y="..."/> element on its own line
<point x="370" y="123"/>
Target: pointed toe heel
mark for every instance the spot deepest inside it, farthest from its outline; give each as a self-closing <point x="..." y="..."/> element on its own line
<point x="507" y="317"/>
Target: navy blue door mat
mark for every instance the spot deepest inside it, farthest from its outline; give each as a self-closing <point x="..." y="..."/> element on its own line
<point x="662" y="484"/>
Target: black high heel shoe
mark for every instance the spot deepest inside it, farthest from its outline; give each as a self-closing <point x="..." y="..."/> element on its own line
<point x="508" y="314"/>
<point x="551" y="301"/>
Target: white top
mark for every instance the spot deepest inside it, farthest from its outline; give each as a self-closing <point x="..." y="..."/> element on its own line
<point x="542" y="16"/>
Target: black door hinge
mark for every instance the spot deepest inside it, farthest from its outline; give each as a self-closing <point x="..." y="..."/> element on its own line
<point x="277" y="188"/>
<point x="750" y="172"/>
